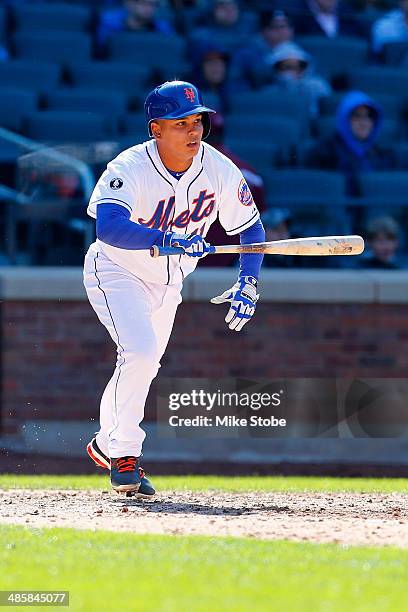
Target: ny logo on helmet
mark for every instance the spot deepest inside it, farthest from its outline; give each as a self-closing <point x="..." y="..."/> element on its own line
<point x="189" y="93"/>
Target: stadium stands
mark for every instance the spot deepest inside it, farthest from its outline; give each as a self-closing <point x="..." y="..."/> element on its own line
<point x="68" y="126"/>
<point x="51" y="16"/>
<point x="61" y="86"/>
<point x="15" y="104"/>
<point x="39" y="77"/>
<point x="335" y="56"/>
<point x="62" y="47"/>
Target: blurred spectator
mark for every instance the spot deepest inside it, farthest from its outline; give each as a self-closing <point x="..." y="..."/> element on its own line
<point x="393" y="27"/>
<point x="276" y="222"/>
<point x="323" y="17"/>
<point x="187" y="14"/>
<point x="383" y="243"/>
<point x="134" y="16"/>
<point x="211" y="66"/>
<point x="225" y="24"/>
<point x="353" y="148"/>
<point x="293" y="72"/>
<point x="276" y="28"/>
<point x="216" y="234"/>
<point x="251" y="65"/>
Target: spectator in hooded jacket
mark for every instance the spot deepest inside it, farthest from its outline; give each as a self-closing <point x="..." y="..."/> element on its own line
<point x="292" y="72"/>
<point x="393" y="27"/>
<point x="353" y="148"/>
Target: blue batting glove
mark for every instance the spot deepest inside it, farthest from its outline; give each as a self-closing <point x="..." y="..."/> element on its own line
<point x="243" y="298"/>
<point x="193" y="245"/>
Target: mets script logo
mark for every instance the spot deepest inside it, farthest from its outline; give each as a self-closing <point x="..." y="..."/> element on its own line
<point x="244" y="194"/>
<point x="189" y="93"/>
<point x="163" y="216"/>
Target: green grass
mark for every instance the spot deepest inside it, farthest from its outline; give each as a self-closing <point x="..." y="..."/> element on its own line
<point x="217" y="483"/>
<point x="114" y="571"/>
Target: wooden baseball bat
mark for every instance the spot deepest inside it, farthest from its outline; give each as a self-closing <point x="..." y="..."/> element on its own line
<point x="321" y="245"/>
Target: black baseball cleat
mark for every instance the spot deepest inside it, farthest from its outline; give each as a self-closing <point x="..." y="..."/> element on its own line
<point x="97" y="455"/>
<point x="127" y="476"/>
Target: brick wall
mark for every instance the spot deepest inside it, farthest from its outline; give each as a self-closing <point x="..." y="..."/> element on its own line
<point x="56" y="357"/>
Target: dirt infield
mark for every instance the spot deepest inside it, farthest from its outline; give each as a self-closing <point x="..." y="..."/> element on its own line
<point x="345" y="518"/>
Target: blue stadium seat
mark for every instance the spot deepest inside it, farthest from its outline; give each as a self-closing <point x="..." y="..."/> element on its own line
<point x="299" y="187"/>
<point x="148" y="49"/>
<point x="269" y="100"/>
<point x="37" y="76"/>
<point x="316" y="198"/>
<point x="134" y="126"/>
<point x="128" y="77"/>
<point x="337" y="55"/>
<point x="15" y="104"/>
<point x="401" y="155"/>
<point x="261" y="154"/>
<point x="3" y="22"/>
<point x="388" y="188"/>
<point x="380" y="79"/>
<point x="279" y="131"/>
<point x="394" y="53"/>
<point x="61" y="47"/>
<point x="110" y="103"/>
<point x="273" y="102"/>
<point x="50" y="16"/>
<point x="68" y="126"/>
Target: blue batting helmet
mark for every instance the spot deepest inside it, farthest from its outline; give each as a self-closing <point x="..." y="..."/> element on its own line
<point x="174" y="100"/>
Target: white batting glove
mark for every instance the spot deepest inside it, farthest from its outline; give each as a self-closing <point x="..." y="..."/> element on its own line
<point x="243" y="298"/>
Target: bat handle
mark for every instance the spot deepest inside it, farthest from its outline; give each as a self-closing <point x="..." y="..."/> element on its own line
<point x="159" y="251"/>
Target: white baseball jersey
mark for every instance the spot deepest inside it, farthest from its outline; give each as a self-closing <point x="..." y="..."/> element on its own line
<point x="138" y="180"/>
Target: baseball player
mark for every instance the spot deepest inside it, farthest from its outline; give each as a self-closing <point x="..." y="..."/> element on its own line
<point x="166" y="191"/>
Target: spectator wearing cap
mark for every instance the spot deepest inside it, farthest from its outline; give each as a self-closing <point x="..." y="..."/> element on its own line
<point x="226" y="23"/>
<point x="276" y="222"/>
<point x="324" y="17"/>
<point x="251" y="63"/>
<point x="292" y="71"/>
<point x="393" y="27"/>
<point x="353" y="148"/>
<point x="383" y="236"/>
<point x="211" y="74"/>
<point x="133" y="16"/>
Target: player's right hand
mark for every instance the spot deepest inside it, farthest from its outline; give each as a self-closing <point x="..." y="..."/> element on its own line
<point x="193" y="245"/>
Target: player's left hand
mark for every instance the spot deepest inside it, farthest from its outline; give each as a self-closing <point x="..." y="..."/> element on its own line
<point x="243" y="298"/>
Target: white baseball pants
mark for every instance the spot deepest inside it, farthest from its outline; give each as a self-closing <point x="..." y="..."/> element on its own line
<point x="139" y="317"/>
